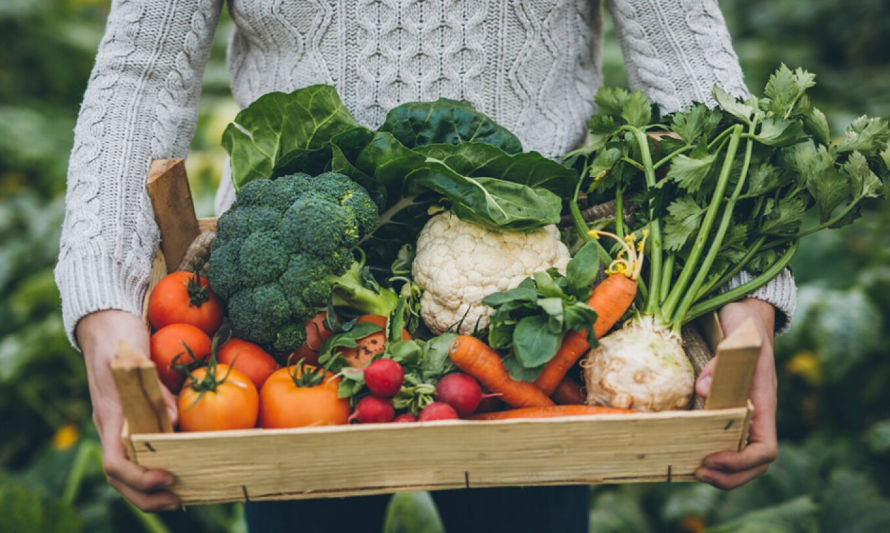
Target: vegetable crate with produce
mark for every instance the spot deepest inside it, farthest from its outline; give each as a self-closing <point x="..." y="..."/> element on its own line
<point x="428" y="315"/>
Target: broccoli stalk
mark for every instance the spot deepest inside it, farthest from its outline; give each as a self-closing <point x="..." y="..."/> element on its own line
<point x="357" y="289"/>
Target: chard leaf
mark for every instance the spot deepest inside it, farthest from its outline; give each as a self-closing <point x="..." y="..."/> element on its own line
<point x="690" y="123"/>
<point x="688" y="172"/>
<point x="729" y="103"/>
<point x="866" y="135"/>
<point x="529" y="168"/>
<point x="446" y="121"/>
<point x="817" y="124"/>
<point x="682" y="222"/>
<point x="780" y="132"/>
<point x="783" y="217"/>
<point x="785" y="87"/>
<point x="280" y="131"/>
<point x="865" y="183"/>
<point x="533" y="342"/>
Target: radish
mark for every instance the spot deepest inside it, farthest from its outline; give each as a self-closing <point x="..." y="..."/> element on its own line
<point x="372" y="409"/>
<point x="460" y="391"/>
<point x="384" y="377"/>
<point x="437" y="411"/>
<point x="405" y="417"/>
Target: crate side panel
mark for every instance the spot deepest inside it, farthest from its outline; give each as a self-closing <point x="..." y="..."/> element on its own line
<point x="344" y="461"/>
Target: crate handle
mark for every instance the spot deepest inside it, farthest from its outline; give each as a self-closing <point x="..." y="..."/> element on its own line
<point x="136" y="379"/>
<point x="171" y="199"/>
<point x="734" y="369"/>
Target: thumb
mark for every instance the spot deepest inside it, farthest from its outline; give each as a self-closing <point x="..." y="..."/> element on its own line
<point x="170" y="401"/>
<point x="703" y="383"/>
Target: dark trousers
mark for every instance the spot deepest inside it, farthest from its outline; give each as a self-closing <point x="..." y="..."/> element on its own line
<point x="563" y="509"/>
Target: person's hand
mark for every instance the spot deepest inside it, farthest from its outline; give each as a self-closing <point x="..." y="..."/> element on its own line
<point x="728" y="470"/>
<point x="98" y="335"/>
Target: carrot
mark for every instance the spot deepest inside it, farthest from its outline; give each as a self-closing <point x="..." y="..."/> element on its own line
<point x="569" y="392"/>
<point x="551" y="411"/>
<point x="610" y="299"/>
<point x="483" y="363"/>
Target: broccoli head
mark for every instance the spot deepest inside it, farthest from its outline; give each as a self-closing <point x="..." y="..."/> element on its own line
<point x="285" y="248"/>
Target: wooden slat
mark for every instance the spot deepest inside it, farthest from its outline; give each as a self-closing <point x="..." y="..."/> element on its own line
<point x="374" y="458"/>
<point x="137" y="384"/>
<point x="171" y="198"/>
<point x="158" y="271"/>
<point x="734" y="368"/>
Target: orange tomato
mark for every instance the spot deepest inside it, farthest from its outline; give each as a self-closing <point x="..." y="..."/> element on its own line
<point x="230" y="402"/>
<point x="369" y="346"/>
<point x="184" y="297"/>
<point x="286" y="403"/>
<point x="316" y="333"/>
<point x="177" y="343"/>
<point x="249" y="358"/>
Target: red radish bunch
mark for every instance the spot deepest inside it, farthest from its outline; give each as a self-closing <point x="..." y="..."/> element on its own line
<point x="437" y="411"/>
<point x="371" y="409"/>
<point x="405" y="417"/>
<point x="460" y="391"/>
<point x="384" y="377"/>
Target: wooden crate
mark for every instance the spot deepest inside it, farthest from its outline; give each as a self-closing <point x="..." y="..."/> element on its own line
<point x="337" y="461"/>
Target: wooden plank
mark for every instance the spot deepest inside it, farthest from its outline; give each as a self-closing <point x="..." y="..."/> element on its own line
<point x="207" y="224"/>
<point x="171" y="198"/>
<point x="368" y="459"/>
<point x="137" y="384"/>
<point x="158" y="271"/>
<point x="734" y="369"/>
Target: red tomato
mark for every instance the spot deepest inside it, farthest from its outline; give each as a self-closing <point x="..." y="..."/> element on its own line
<point x="288" y="399"/>
<point x="369" y="346"/>
<point x="230" y="401"/>
<point x="177" y="343"/>
<point x="249" y="358"/>
<point x="184" y="297"/>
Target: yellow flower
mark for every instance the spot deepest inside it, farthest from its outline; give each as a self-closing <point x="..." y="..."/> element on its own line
<point x="65" y="437"/>
<point x="807" y="365"/>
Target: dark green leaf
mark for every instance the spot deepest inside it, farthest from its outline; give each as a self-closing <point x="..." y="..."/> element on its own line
<point x="579" y="316"/>
<point x="519" y="372"/>
<point x="682" y="222"/>
<point x="866" y="135"/>
<point x="446" y="121"/>
<point x="546" y="285"/>
<point x="780" y="132"/>
<point x="864" y="182"/>
<point x="482" y="160"/>
<point x="741" y="110"/>
<point x="518" y="294"/>
<point x="278" y="130"/>
<point x="436" y="362"/>
<point x="784" y="217"/>
<point x="817" y="125"/>
<point x="764" y="178"/>
<point x="552" y="306"/>
<point x="690" y="123"/>
<point x="633" y="108"/>
<point x="879" y="437"/>
<point x="533" y="342"/>
<point x="688" y="172"/>
<point x="785" y="87"/>
<point x="584" y="266"/>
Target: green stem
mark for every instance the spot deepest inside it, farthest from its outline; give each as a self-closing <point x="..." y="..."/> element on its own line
<point x="712" y="304"/>
<point x="667" y="275"/>
<point x="667" y="158"/>
<point x="619" y="211"/>
<point x="737" y="267"/>
<point x="716" y="244"/>
<point x="655" y="242"/>
<point x="692" y="265"/>
<point x="829" y="223"/>
<point x="577" y="218"/>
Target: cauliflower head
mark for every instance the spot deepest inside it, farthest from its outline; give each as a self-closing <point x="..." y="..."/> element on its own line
<point x="458" y="263"/>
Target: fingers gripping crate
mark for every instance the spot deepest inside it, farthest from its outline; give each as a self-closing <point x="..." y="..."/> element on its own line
<point x="337" y="461"/>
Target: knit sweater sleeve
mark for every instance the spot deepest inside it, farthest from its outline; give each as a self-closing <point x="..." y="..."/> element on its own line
<point x="676" y="51"/>
<point x="140" y="104"/>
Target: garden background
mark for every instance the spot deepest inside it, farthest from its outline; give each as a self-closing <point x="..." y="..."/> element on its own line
<point x="833" y="470"/>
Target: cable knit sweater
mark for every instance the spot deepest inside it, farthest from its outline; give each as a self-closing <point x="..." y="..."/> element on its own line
<point x="532" y="65"/>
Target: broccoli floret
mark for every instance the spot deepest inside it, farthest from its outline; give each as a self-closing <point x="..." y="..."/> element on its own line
<point x="285" y="249"/>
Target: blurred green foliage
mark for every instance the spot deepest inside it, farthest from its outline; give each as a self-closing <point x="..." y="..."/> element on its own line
<point x="833" y="471"/>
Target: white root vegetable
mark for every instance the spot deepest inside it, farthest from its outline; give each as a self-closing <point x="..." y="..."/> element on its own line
<point x="641" y="367"/>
